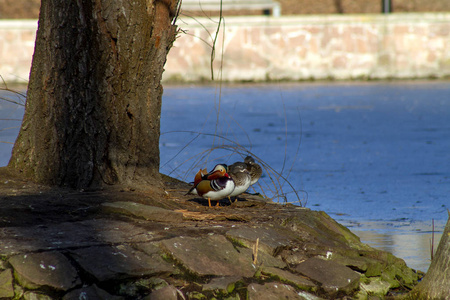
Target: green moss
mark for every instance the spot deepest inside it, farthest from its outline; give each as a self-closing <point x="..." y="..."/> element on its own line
<point x="398" y="275"/>
<point x="238" y="243"/>
<point x="374" y="269"/>
<point x="197" y="296"/>
<point x="230" y="288"/>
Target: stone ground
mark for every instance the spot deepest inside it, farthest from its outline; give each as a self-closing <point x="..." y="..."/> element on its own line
<point x="125" y="244"/>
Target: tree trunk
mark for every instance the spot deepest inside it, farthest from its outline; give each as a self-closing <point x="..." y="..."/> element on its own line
<point x="436" y="283"/>
<point x="94" y="96"/>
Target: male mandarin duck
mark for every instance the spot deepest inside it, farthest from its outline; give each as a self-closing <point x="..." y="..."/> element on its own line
<point x="214" y="185"/>
<point x="203" y="174"/>
<point x="241" y="177"/>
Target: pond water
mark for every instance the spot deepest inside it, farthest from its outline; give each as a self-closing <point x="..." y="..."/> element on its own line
<point x="374" y="156"/>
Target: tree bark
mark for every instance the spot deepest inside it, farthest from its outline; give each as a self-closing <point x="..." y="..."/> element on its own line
<point x="436" y="283"/>
<point x="94" y="95"/>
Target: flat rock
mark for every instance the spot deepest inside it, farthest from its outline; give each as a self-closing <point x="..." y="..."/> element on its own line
<point x="152" y="249"/>
<point x="274" y="290"/>
<point x="90" y="292"/>
<point x="293" y="256"/>
<point x="271" y="240"/>
<point x="50" y="269"/>
<point x="36" y="296"/>
<point x="288" y="277"/>
<point x="15" y="240"/>
<point x="147" y="212"/>
<point x="248" y="200"/>
<point x="369" y="266"/>
<point x="166" y="293"/>
<point x="215" y="255"/>
<point x="332" y="277"/>
<point x="320" y="231"/>
<point x="6" y="284"/>
<point x="118" y="262"/>
<point x="375" y="286"/>
<point x="223" y="284"/>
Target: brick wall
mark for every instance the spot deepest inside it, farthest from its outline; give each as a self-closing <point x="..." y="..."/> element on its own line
<point x="261" y="48"/>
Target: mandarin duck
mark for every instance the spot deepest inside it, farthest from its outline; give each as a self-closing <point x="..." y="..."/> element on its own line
<point x="203" y="174"/>
<point x="241" y="177"/>
<point x="254" y="169"/>
<point x="214" y="185"/>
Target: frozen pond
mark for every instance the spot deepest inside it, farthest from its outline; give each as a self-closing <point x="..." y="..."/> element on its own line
<point x="375" y="156"/>
<point x="11" y="113"/>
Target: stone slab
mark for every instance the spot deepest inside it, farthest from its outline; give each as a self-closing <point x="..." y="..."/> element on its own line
<point x="166" y="293"/>
<point x="147" y="212"/>
<point x="288" y="277"/>
<point x="90" y="292"/>
<point x="367" y="265"/>
<point x="375" y="286"/>
<point x="222" y="284"/>
<point x="272" y="290"/>
<point x="271" y="241"/>
<point x="119" y="262"/>
<point x="6" y="284"/>
<point x="152" y="249"/>
<point x="50" y="269"/>
<point x="36" y="296"/>
<point x="15" y="240"/>
<point x="215" y="255"/>
<point x="332" y="277"/>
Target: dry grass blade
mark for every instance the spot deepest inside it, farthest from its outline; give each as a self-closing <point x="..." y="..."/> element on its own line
<point x="255" y="252"/>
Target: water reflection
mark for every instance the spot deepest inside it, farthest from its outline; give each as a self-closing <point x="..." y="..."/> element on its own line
<point x="411" y="242"/>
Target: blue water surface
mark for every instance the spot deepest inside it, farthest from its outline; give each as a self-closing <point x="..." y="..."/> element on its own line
<point x="375" y="156"/>
<point x="376" y="151"/>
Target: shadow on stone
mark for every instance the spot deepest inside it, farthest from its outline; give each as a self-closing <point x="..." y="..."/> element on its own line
<point x="122" y="244"/>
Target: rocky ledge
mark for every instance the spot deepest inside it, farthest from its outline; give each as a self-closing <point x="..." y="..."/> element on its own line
<point x="112" y="244"/>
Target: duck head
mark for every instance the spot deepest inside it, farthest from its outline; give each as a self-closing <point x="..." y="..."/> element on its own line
<point x="219" y="170"/>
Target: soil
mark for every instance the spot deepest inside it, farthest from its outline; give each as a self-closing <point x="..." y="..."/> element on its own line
<point x="29" y="9"/>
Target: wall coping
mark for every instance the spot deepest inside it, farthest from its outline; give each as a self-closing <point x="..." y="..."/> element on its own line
<point x="18" y="24"/>
<point x="268" y="21"/>
<point x="290" y="20"/>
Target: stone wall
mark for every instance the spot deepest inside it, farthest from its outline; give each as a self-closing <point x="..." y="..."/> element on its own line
<point x="16" y="49"/>
<point x="315" y="47"/>
<point x="259" y="48"/>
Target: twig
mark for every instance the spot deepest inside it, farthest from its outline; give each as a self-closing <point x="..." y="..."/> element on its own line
<point x="432" y="239"/>
<point x="178" y="12"/>
<point x="213" y="50"/>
